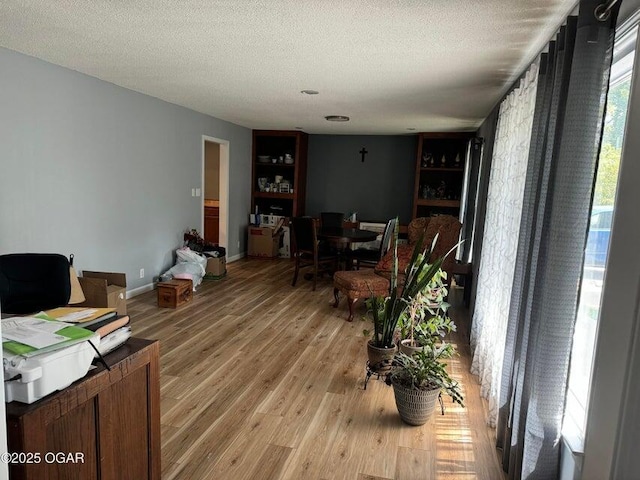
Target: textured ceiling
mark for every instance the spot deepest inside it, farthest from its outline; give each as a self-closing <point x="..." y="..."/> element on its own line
<point x="390" y="65"/>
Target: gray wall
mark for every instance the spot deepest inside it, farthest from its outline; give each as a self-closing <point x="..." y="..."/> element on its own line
<point x="378" y="189"/>
<point x="103" y="172"/>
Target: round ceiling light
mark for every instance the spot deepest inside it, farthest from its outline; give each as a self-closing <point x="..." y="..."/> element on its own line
<point x="310" y="92"/>
<point x="337" y="118"/>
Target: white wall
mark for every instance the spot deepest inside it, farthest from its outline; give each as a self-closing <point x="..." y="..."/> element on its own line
<point x="90" y="168"/>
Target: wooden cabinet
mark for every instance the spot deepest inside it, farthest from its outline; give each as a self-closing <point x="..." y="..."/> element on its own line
<point x="109" y="419"/>
<point x="211" y="224"/>
<point x="440" y="170"/>
<point x="279" y="174"/>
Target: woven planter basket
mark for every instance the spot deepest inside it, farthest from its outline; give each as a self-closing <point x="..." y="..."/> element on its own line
<point x="414" y="406"/>
<point x="380" y="359"/>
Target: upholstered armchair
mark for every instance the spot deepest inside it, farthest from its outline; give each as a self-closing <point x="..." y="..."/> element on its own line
<point x="359" y="284"/>
<point x="446" y="227"/>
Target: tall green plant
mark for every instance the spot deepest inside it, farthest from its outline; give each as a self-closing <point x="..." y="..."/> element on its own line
<point x="387" y="311"/>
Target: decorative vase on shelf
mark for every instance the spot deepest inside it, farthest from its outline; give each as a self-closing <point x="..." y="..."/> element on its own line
<point x="457" y="160"/>
<point x="443" y="161"/>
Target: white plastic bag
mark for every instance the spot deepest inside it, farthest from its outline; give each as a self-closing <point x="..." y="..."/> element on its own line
<point x="190" y="265"/>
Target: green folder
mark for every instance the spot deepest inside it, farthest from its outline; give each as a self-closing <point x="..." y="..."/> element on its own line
<point x="74" y="335"/>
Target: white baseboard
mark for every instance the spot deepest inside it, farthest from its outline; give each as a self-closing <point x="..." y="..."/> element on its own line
<point x="236" y="257"/>
<point x="140" y="290"/>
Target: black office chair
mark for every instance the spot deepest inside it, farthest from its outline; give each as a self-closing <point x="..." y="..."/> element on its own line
<point x="369" y="258"/>
<point x="31" y="282"/>
<point x="306" y="249"/>
<point x="332" y="219"/>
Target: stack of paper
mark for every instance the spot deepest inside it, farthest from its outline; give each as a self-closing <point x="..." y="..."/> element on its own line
<point x="29" y="336"/>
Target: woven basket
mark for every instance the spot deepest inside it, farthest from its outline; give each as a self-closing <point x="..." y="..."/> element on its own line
<point x="380" y="359"/>
<point x="415" y="406"/>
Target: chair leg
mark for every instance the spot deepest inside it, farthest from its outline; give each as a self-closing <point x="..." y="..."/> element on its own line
<point x="336" y="295"/>
<point x="295" y="274"/>
<point x="315" y="275"/>
<point x="352" y="304"/>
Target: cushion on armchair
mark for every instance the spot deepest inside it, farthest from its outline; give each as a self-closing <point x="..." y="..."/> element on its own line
<point x="446" y="227"/>
<point x="416" y="227"/>
<point x="385" y="265"/>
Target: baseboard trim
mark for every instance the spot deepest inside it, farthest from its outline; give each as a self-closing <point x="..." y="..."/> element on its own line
<point x="140" y="290"/>
<point x="236" y="257"/>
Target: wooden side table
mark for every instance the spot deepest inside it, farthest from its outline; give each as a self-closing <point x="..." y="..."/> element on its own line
<point x="109" y="421"/>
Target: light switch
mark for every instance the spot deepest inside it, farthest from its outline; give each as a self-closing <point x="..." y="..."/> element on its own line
<point x="197" y="192"/>
<point x="193" y="192"/>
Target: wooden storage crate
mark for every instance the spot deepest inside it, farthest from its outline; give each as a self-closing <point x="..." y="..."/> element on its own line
<point x="173" y="293"/>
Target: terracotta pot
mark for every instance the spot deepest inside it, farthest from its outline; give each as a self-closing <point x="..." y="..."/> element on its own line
<point x="380" y="359"/>
<point x="414" y="406"/>
<point x="407" y="348"/>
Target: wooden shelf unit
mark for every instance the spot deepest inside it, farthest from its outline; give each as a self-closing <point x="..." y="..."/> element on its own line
<point x="276" y="144"/>
<point x="438" y="185"/>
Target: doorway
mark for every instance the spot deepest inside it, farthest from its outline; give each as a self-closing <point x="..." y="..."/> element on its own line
<point x="215" y="188"/>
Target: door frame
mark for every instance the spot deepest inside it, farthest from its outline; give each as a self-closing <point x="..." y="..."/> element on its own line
<point x="223" y="239"/>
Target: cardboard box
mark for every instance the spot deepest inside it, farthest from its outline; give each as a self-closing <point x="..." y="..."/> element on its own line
<point x="104" y="289"/>
<point x="174" y="293"/>
<point x="216" y="266"/>
<point x="263" y="241"/>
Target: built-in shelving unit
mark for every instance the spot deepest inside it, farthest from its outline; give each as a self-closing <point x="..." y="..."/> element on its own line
<point x="440" y="167"/>
<point x="279" y="164"/>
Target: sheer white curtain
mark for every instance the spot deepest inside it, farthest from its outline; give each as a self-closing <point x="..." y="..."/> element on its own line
<point x="500" y="241"/>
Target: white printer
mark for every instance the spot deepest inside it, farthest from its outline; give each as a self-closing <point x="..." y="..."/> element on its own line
<point x="28" y="379"/>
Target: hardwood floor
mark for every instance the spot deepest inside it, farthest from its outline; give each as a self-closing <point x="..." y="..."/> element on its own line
<point x="261" y="380"/>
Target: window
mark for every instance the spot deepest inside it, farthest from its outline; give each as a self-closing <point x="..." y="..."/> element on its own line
<point x="598" y="241"/>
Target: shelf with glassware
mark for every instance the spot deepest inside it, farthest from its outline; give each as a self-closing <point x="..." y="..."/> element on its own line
<point x="440" y="171"/>
<point x="279" y="172"/>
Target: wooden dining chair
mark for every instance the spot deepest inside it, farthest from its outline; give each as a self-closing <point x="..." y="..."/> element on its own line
<point x="306" y="249"/>
<point x="368" y="257"/>
<point x="332" y="219"/>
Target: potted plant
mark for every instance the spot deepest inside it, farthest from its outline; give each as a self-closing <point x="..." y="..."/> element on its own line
<point x="425" y="320"/>
<point x="386" y="312"/>
<point x="418" y="381"/>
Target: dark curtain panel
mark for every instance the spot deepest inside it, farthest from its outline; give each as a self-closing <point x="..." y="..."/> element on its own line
<point x="475" y="159"/>
<point x="567" y="129"/>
